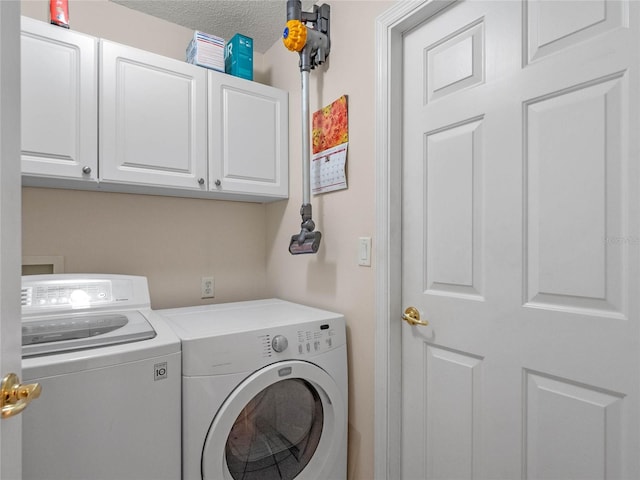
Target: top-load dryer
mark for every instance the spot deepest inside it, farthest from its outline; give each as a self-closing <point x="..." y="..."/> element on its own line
<point x="264" y="391"/>
<point x="109" y="368"/>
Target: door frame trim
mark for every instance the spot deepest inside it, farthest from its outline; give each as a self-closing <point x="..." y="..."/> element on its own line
<point x="390" y="29"/>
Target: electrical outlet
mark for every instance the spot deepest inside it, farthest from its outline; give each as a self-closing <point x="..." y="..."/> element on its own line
<point x="207" y="287"/>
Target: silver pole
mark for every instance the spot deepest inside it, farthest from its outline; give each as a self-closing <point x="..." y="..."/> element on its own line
<point x="306" y="157"/>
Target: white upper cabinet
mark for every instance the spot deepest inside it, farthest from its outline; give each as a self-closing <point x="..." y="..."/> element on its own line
<point x="248" y="137"/>
<point x="153" y="117"/>
<point x="59" y="103"/>
<point x="100" y="115"/>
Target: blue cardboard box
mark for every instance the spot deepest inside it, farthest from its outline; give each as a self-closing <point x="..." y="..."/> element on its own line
<point x="238" y="56"/>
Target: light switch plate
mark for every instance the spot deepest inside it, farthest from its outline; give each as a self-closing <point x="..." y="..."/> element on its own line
<point x="364" y="251"/>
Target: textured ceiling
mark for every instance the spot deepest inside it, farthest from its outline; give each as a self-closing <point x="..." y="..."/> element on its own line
<point x="262" y="20"/>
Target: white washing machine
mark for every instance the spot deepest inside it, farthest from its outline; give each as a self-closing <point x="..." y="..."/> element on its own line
<point x="264" y="391"/>
<point x="109" y="368"/>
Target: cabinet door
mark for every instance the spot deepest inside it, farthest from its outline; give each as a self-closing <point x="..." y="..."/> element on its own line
<point x="248" y="138"/>
<point x="59" y="102"/>
<point x="152" y="119"/>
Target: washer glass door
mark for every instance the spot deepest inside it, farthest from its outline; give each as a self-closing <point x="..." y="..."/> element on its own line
<point x="283" y="422"/>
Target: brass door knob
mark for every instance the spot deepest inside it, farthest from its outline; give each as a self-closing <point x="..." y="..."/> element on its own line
<point x="15" y="397"/>
<point x="412" y="316"/>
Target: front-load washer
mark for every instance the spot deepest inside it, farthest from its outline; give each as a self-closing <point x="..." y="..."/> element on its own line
<point x="264" y="388"/>
<point x="109" y="368"/>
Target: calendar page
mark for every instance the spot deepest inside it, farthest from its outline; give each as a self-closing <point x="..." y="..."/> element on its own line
<point x="330" y="134"/>
<point x="328" y="170"/>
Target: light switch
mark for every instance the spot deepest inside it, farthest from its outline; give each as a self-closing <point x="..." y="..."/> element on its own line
<point x="364" y="251"/>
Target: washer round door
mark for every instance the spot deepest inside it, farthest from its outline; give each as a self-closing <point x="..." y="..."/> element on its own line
<point x="284" y="421"/>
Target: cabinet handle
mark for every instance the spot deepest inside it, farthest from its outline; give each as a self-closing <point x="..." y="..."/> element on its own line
<point x="86" y="170"/>
<point x="218" y="183"/>
<point x="201" y="181"/>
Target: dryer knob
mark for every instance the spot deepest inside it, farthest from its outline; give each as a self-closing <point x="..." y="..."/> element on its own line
<point x="279" y="343"/>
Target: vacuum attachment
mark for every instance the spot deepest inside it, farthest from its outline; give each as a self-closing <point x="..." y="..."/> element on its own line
<point x="310" y="243"/>
<point x="307" y="241"/>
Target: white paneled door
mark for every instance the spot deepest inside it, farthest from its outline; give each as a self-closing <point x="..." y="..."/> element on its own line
<point x="521" y="242"/>
<point x="10" y="346"/>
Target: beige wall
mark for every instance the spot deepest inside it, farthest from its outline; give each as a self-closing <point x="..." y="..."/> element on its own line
<point x="105" y="19"/>
<point x="172" y="241"/>
<point x="332" y="279"/>
<point x="176" y="241"/>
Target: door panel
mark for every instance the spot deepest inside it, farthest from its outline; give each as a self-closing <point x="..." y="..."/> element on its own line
<point x="453" y="415"/>
<point x="581" y="422"/>
<point x="59" y="130"/>
<point x="152" y="120"/>
<point x="248" y="148"/>
<point x="453" y="207"/>
<point x="574" y="203"/>
<point x="520" y="228"/>
<point x="553" y="26"/>
<point x="456" y="62"/>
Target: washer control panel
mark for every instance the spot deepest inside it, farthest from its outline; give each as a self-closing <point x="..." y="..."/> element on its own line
<point x="70" y="328"/>
<point x="72" y="294"/>
<point x="46" y="294"/>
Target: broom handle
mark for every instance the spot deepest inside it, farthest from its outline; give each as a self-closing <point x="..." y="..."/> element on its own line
<point x="306" y="160"/>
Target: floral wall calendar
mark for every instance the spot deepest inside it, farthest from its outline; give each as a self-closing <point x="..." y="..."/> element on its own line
<point x="330" y="139"/>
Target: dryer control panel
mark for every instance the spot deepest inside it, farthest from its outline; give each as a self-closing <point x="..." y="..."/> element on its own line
<point x="241" y="337"/>
<point x="242" y="352"/>
<point x="313" y="339"/>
